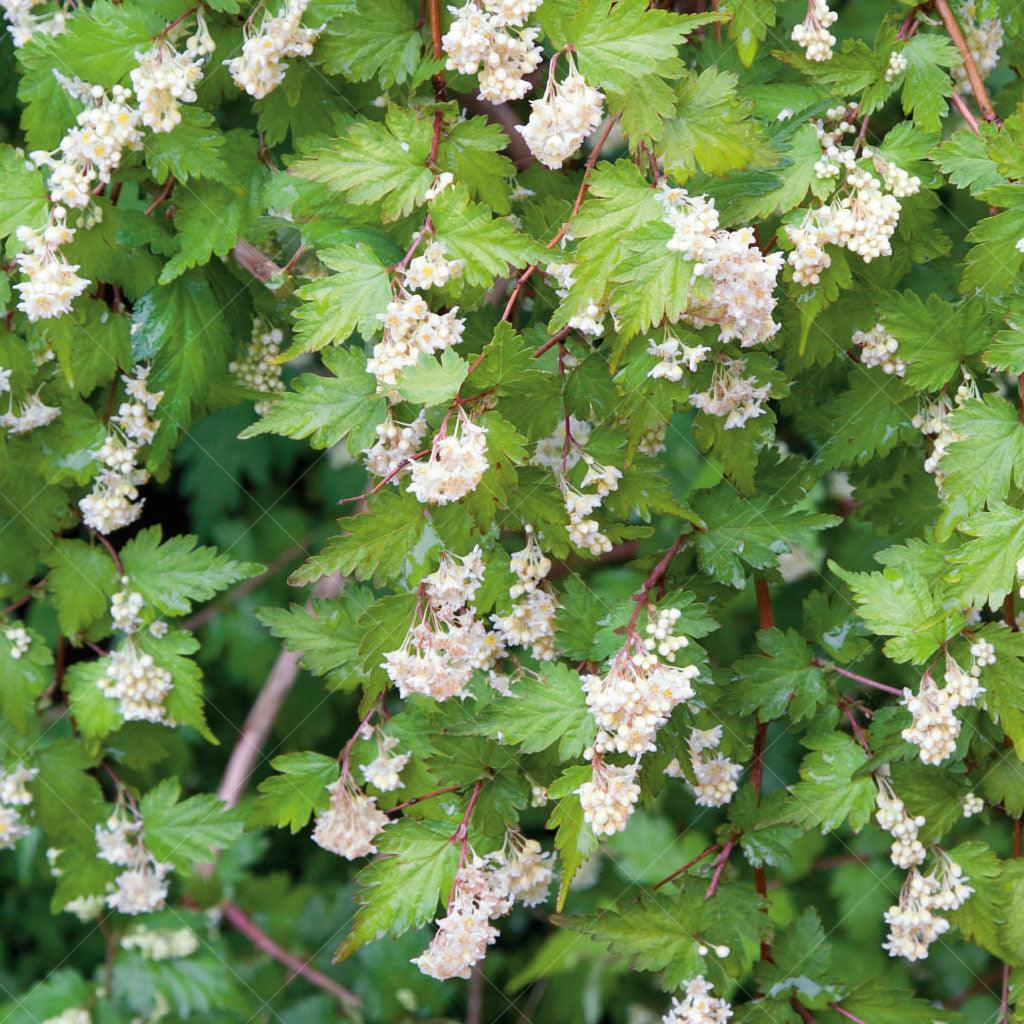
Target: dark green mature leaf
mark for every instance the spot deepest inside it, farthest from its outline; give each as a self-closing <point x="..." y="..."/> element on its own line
<point x="987" y="564"/>
<point x="327" y="409"/>
<point x="375" y="38"/>
<point x="988" y="454"/>
<point x="782" y="677"/>
<point x="82" y="580"/>
<point x="800" y="965"/>
<point x="926" y="82"/>
<point x="297" y="793"/>
<point x="173" y="574"/>
<point x="981" y="918"/>
<point x="185" y="832"/>
<point x="24" y="679"/>
<point x="403" y="886"/>
<point x="828" y="792"/>
<point x="964" y="160"/>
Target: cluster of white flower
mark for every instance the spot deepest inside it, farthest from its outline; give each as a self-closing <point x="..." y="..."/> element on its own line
<point x="85" y="908"/>
<point x="732" y="395"/>
<point x="443" y="181"/>
<point x="563" y="275"/>
<point x="161" y="943"/>
<point x="984" y="40"/>
<point x="396" y="444"/>
<point x="143" y="887"/>
<point x="34" y="413"/>
<point x="432" y="269"/>
<point x="138" y="684"/>
<point x="447" y="643"/>
<point x="972" y="804"/>
<point x="742" y="300"/>
<point x="125" y="607"/>
<point x="258" y="368"/>
<point x="698" y="1005"/>
<point x="562" y="118"/>
<point x="717" y="778"/>
<point x="51" y="284"/>
<point x="165" y="78"/>
<point x="639" y="692"/>
<point x="384" y="771"/>
<point x="913" y="922"/>
<point x="456" y="464"/>
<point x="934" y="421"/>
<point x="609" y="797"/>
<point x="19" y="639"/>
<point x="551" y="449"/>
<point x="934" y="727"/>
<point x="585" y="532"/>
<point x="14" y="793"/>
<point x="531" y="621"/>
<point x="878" y="348"/>
<point x="479" y="42"/>
<point x="672" y="356"/>
<point x="484" y="889"/>
<point x="891" y="815"/>
<point x="114" y="499"/>
<point x="351" y="823"/>
<point x="812" y="34"/>
<point x="72" y="1015"/>
<point x="260" y="67"/>
<point x="23" y="22"/>
<point x="409" y="330"/>
<point x="896" y="66"/>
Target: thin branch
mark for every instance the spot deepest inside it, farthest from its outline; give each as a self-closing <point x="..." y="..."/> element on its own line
<point x="240" y="920"/>
<point x="686" y="867"/>
<point x="845" y="1013"/>
<point x="162" y="197"/>
<point x="965" y="113"/>
<point x="475" y="996"/>
<point x="720" y="861"/>
<point x="863" y="680"/>
<point x="652" y="579"/>
<point x="420" y="799"/>
<point x="554" y="340"/>
<point x="260" y="719"/>
<point x="973" y="75"/>
<point x="111" y="550"/>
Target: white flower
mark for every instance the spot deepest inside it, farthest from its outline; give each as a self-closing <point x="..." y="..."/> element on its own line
<point x="396" y="444"/>
<point x="983" y="39"/>
<point x="897" y="65"/>
<point x="878" y="348"/>
<point x="20" y="640"/>
<point x="384" y="771"/>
<point x="410" y="328"/>
<point x="138" y="684"/>
<point x="698" y="1006"/>
<point x="125" y="606"/>
<point x="14" y="790"/>
<point x="161" y="943"/>
<point x="51" y="284"/>
<point x="732" y="396"/>
<point x="258" y="368"/>
<point x="972" y="805"/>
<point x="432" y="269"/>
<point x="352" y="822"/>
<point x="609" y="797"/>
<point x="812" y="33"/>
<point x="260" y="67"/>
<point x="457" y="462"/>
<point x="12" y="828"/>
<point x="165" y="78"/>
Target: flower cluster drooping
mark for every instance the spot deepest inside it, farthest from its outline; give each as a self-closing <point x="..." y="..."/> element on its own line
<point x="432" y="269"/>
<point x="384" y="771"/>
<point x="935" y="728"/>
<point x="138" y="684"/>
<point x="609" y="797"/>
<point x="984" y="39"/>
<point x="639" y="692"/>
<point x="456" y="464"/>
<point x="878" y="348"/>
<point x="14" y="794"/>
<point x="584" y="531"/>
<point x="114" y="500"/>
<point x="258" y="368"/>
<point x="716" y="777"/>
<point x="479" y="43"/>
<point x="23" y="21"/>
<point x="142" y="887"/>
<point x="161" y="943"/>
<point x="395" y="446"/>
<point x="51" y="284"/>
<point x="562" y="118"/>
<point x="531" y="621"/>
<point x="934" y="421"/>
<point x="673" y="356"/>
<point x="20" y="640"/>
<point x="698" y="1005"/>
<point x="410" y="329"/>
<point x="913" y="922"/>
<point x="732" y="395"/>
<point x="447" y="643"/>
<point x="742" y="278"/>
<point x="165" y="78"/>
<point x="351" y="822"/>
<point x="34" y="413"/>
<point x="891" y="815"/>
<point x="484" y="889"/>
<point x="812" y="34"/>
<point x="260" y="67"/>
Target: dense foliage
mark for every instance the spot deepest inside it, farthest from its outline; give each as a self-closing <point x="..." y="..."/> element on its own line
<point x="512" y="512"/>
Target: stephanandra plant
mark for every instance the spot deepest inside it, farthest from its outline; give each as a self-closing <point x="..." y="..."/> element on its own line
<point x="632" y="391"/>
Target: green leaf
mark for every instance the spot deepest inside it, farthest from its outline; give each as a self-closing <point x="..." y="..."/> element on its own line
<point x="432" y="382"/>
<point x="780" y="678"/>
<point x="171" y="575"/>
<point x="62" y="990"/>
<point x="926" y="82"/>
<point x="401" y="889"/>
<point x="988" y="454"/>
<point x="100" y="47"/>
<point x="799" y="965"/>
<point x="879" y="1001"/>
<point x="964" y="160"/>
<point x="749" y="25"/>
<point x="23" y="201"/>
<point x="353" y="298"/>
<point x="297" y="793"/>
<point x="185" y="832"/>
<point x="987" y="564"/>
<point x="574" y="839"/>
<point x="542" y="711"/>
<point x="327" y="409"/>
<point x="981" y="918"/>
<point x="96" y="715"/>
<point x="373" y="38"/>
<point x="993" y="263"/>
<point x="82" y="580"/>
<point x="828" y="792"/>
<point x="23" y="680"/>
<point x="377" y="163"/>
<point x="471" y="150"/>
<point x="763" y="840"/>
<point x="375" y="545"/>
<point x="713" y="129"/>
<point x="490" y="246"/>
<point x="192" y="149"/>
<point x="208" y="219"/>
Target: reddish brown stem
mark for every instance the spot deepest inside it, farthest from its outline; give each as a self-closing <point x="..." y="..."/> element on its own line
<point x="169" y="28"/>
<point x="652" y="580"/>
<point x="965" y="113"/>
<point x="973" y="75"/>
<point x="720" y="861"/>
<point x="291" y="264"/>
<point x="425" y="796"/>
<point x="385" y="479"/>
<point x="554" y="340"/>
<point x="686" y="867"/>
<point x="845" y="1013"/>
<point x="240" y="920"/>
<point x="1009" y="612"/>
<point x="863" y="680"/>
<point x="855" y="726"/>
<point x="806" y="1014"/>
<point x="112" y="551"/>
<point x="162" y="196"/>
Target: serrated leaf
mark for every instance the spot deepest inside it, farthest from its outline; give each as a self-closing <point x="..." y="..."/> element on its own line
<point x="926" y="82"/>
<point x="23" y="201"/>
<point x="374" y="38"/>
<point x="964" y="160"/>
<point x="828" y="792"/>
<point x="431" y="381"/>
<point x="987" y="564"/>
<point x="781" y="678"/>
<point x="82" y="580"/>
<point x="292" y="797"/>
